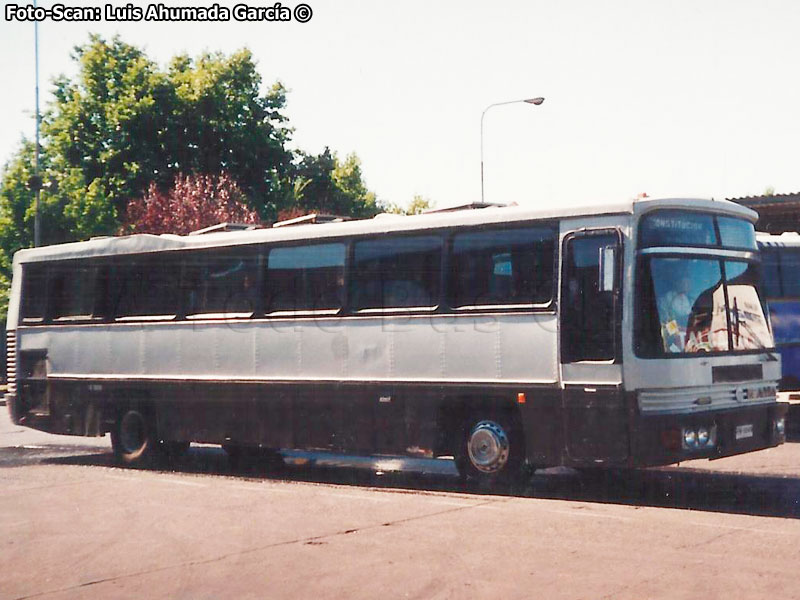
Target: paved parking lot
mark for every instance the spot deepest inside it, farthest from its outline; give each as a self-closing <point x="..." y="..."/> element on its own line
<point x="73" y="525"/>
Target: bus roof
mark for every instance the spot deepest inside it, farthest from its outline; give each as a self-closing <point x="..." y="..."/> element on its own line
<point x="382" y="224"/>
<point x="789" y="239"/>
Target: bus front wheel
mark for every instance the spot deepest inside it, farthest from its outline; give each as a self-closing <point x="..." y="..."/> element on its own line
<point x="490" y="449"/>
<point x="133" y="437"/>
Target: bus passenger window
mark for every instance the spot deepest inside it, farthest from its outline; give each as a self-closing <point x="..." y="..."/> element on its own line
<point x="772" y="278"/>
<point x="506" y="267"/>
<point x="221" y="284"/>
<point x="144" y="287"/>
<point x="34" y="292"/>
<point x="790" y="273"/>
<point x="398" y="272"/>
<point x="72" y="291"/>
<point x="305" y="278"/>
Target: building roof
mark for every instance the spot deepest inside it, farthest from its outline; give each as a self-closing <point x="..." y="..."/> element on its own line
<point x="778" y="213"/>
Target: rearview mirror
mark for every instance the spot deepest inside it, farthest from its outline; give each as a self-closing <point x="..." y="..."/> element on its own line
<point x="608" y="267"/>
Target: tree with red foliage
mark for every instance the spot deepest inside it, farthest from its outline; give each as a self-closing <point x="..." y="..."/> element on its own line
<point x="193" y="202"/>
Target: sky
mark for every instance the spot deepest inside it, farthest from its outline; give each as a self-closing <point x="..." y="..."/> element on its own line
<point x="673" y="98"/>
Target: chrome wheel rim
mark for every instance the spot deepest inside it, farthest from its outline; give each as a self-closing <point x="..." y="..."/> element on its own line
<point x="488" y="447"/>
<point x="132" y="432"/>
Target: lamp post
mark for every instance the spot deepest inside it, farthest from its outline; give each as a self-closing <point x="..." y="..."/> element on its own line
<point x="534" y="101"/>
<point x="37" y="226"/>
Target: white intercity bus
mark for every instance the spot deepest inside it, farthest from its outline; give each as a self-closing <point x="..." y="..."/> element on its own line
<point x="630" y="335"/>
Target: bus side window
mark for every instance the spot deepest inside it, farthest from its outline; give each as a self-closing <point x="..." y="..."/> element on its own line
<point x="771" y="273"/>
<point x="790" y="272"/>
<point x="216" y="283"/>
<point x="34" y="292"/>
<point x="497" y="267"/>
<point x="145" y="287"/>
<point x="397" y="272"/>
<point x="72" y="290"/>
<point x="305" y="278"/>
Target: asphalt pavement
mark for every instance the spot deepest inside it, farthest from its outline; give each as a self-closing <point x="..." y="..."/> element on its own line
<point x="75" y="525"/>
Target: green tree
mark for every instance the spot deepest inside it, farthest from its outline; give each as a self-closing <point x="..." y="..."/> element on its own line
<point x="222" y="123"/>
<point x="17" y="213"/>
<point x="17" y="204"/>
<point x="323" y="183"/>
<point x="99" y="133"/>
<point x="122" y="123"/>
<point x="358" y="201"/>
<point x="419" y="204"/>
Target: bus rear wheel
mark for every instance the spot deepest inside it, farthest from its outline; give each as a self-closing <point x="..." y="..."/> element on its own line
<point x="133" y="437"/>
<point x="490" y="449"/>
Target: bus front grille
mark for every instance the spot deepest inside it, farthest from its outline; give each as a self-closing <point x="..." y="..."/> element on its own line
<point x="666" y="401"/>
<point x="11" y="362"/>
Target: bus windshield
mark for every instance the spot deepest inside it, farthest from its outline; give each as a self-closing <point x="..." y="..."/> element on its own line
<point x="694" y="305"/>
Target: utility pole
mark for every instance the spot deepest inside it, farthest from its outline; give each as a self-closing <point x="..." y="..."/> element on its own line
<point x="37" y="183"/>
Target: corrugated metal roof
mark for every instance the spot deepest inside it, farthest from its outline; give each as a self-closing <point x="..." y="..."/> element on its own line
<point x="778" y="200"/>
<point x="777" y="213"/>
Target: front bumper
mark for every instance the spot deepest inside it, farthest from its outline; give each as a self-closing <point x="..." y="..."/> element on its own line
<point x="657" y="439"/>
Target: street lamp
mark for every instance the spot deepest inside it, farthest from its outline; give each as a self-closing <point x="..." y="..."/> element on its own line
<point x="534" y="101"/>
<point x="37" y="226"/>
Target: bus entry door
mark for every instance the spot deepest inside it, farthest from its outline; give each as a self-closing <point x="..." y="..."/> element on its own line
<point x="594" y="413"/>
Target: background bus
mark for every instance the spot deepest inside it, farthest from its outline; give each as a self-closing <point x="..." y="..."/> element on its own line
<point x="781" y="264"/>
<point x="628" y="334"/>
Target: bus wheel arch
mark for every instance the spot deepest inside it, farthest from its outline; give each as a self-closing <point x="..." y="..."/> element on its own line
<point x="134" y="437"/>
<point x="486" y="439"/>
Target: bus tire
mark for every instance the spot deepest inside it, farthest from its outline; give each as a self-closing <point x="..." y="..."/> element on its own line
<point x="491" y="448"/>
<point x="133" y="437"/>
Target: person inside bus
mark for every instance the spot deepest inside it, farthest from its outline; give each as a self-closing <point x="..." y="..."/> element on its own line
<point x="674" y="308"/>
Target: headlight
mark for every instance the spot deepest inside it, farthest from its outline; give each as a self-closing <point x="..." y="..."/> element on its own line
<point x="702" y="436"/>
<point x="689" y="438"/>
<point x="780" y="426"/>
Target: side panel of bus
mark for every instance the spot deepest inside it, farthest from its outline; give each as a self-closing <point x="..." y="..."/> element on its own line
<point x="382" y="384"/>
<point x="781" y="285"/>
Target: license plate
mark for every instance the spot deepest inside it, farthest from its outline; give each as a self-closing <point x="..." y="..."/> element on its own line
<point x="744" y="431"/>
